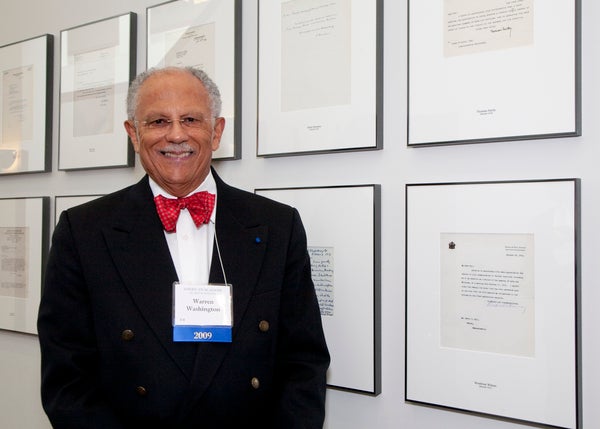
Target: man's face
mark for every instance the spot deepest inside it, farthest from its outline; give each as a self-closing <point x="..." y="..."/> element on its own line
<point x="174" y="154"/>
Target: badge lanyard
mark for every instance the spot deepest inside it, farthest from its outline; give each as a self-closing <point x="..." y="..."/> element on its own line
<point x="203" y="312"/>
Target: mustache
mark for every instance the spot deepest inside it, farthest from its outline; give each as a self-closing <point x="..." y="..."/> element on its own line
<point x="180" y="147"/>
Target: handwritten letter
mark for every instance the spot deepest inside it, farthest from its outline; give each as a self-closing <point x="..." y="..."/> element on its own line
<point x="321" y="262"/>
<point x="315" y="54"/>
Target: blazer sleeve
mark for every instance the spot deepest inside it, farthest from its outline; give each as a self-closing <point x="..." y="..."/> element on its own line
<point x="71" y="394"/>
<point x="303" y="356"/>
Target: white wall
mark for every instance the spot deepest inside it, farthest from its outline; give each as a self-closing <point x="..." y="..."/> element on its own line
<point x="392" y="167"/>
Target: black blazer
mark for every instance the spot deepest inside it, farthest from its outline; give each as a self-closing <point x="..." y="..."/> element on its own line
<point x="105" y="321"/>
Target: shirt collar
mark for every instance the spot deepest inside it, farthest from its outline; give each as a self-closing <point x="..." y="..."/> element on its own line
<point x="208" y="185"/>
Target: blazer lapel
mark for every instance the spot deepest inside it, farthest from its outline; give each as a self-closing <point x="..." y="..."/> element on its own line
<point x="140" y="253"/>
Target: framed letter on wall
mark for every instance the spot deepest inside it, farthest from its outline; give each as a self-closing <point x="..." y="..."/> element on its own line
<point x="493" y="70"/>
<point x="492" y="299"/>
<point x="23" y="250"/>
<point x="320" y="69"/>
<point x="26" y="109"/>
<point x="97" y="64"/>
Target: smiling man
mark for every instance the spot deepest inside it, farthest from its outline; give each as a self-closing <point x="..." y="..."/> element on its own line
<point x="180" y="301"/>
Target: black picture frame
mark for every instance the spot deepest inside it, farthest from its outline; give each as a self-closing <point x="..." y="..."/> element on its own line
<point x="320" y="77"/>
<point x="24" y="239"/>
<point x="495" y="328"/>
<point x="98" y="61"/>
<point x="26" y="109"/>
<point x="493" y="71"/>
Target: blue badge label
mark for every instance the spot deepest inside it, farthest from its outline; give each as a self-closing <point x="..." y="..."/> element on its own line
<point x="217" y="334"/>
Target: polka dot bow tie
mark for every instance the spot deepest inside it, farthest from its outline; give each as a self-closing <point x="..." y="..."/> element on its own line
<point x="200" y="205"/>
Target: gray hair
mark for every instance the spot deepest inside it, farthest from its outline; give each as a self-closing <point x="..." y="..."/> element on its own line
<point x="214" y="95"/>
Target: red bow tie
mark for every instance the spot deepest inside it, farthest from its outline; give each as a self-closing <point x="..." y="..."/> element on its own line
<point x="200" y="205"/>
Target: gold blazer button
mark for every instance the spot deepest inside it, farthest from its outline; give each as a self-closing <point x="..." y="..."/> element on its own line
<point x="255" y="382"/>
<point x="141" y="391"/>
<point x="263" y="326"/>
<point x="127" y="335"/>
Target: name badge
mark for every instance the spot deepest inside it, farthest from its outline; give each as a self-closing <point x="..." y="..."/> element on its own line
<point x="202" y="312"/>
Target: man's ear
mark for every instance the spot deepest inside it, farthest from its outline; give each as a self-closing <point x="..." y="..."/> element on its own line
<point x="131" y="132"/>
<point x="217" y="133"/>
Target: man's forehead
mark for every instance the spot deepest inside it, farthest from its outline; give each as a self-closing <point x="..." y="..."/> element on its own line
<point x="169" y="89"/>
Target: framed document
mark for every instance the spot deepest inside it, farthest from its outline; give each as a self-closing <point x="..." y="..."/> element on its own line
<point x="64" y="202"/>
<point x="492" y="299"/>
<point x="206" y="35"/>
<point x="97" y="62"/>
<point x="493" y="70"/>
<point x="23" y="250"/>
<point x="345" y="261"/>
<point x="320" y="69"/>
<point x="26" y="108"/>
